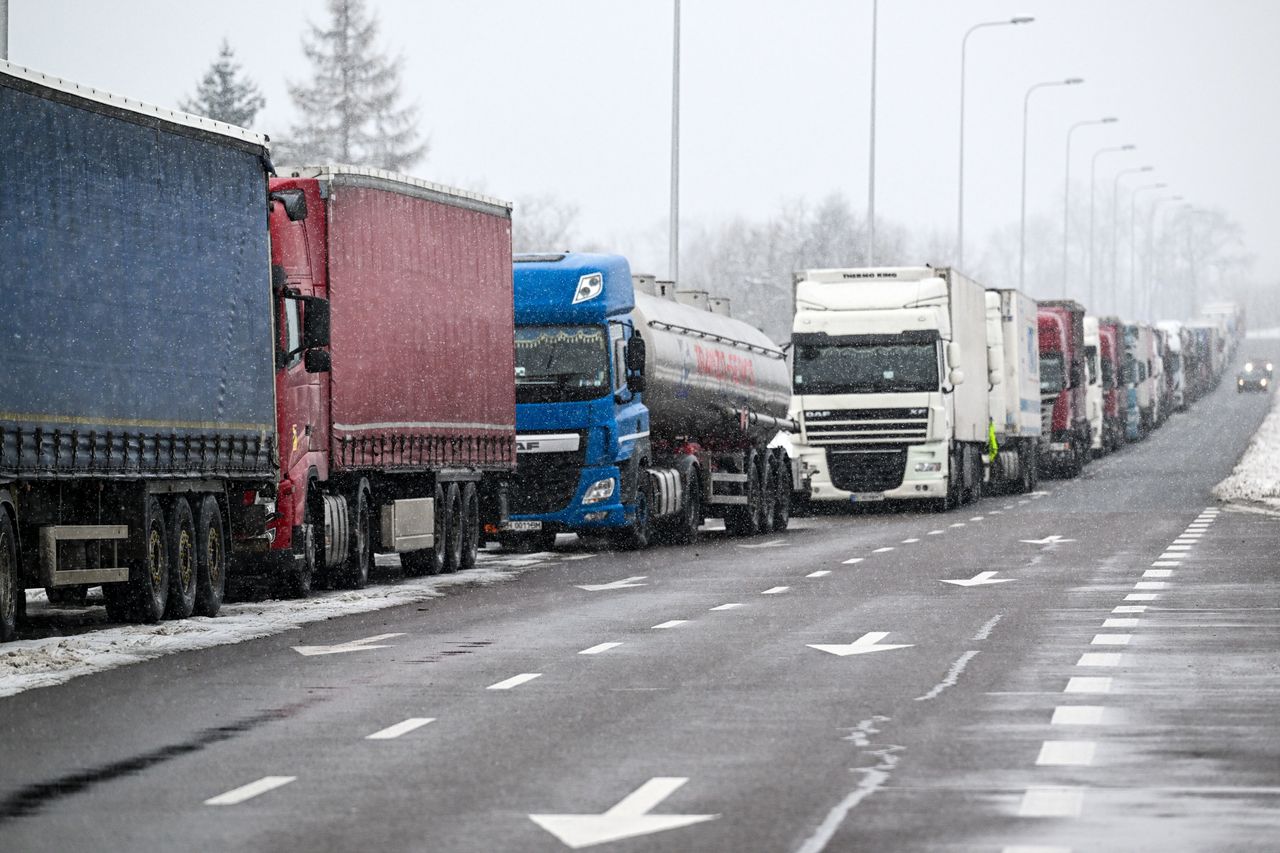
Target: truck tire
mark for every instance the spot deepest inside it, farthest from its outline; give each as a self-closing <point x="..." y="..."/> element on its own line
<point x="144" y="595"/>
<point x="452" y="529"/>
<point x="470" y="526"/>
<point x="181" y="542"/>
<point x="686" y="531"/>
<point x="211" y="558"/>
<point x="782" y="503"/>
<point x="354" y="573"/>
<point x="639" y="535"/>
<point x="299" y="576"/>
<point x="9" y="588"/>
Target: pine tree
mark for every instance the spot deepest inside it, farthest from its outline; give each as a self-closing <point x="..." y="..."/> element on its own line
<point x="224" y="94"/>
<point x="350" y="111"/>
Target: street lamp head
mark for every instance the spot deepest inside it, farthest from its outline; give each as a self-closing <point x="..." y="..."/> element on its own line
<point x="1129" y="147"/>
<point x="1147" y="169"/>
<point x="1073" y="81"/>
<point x="1109" y="120"/>
<point x="1021" y="19"/>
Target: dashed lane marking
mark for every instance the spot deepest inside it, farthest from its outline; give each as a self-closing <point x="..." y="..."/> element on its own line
<point x="402" y="728"/>
<point x="1077" y="715"/>
<point x="1158" y="573"/>
<point x="777" y="590"/>
<point x="1051" y="802"/>
<point x="852" y="560"/>
<point x="958" y="524"/>
<point x="731" y="606"/>
<point x="1120" y="623"/>
<point x="935" y="532"/>
<point x="978" y="518"/>
<point x="1073" y="753"/>
<point x="1167" y="563"/>
<point x="1099" y="659"/>
<point x="1141" y="596"/>
<point x="599" y="648"/>
<point x="1130" y="608"/>
<point x="909" y="541"/>
<point x="671" y="623"/>
<point x="1111" y="639"/>
<point x="1151" y="585"/>
<point x="883" y="550"/>
<point x="821" y="573"/>
<point x="1088" y="684"/>
<point x="515" y="681"/>
<point x="247" y="792"/>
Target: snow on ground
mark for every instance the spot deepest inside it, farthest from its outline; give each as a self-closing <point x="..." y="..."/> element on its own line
<point x="1256" y="477"/>
<point x="28" y="664"/>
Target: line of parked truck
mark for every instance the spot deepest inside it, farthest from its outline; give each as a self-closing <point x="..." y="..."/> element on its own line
<point x="212" y="367"/>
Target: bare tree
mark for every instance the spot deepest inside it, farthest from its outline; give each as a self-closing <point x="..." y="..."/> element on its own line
<point x="224" y="93"/>
<point x="543" y="223"/>
<point x="351" y="110"/>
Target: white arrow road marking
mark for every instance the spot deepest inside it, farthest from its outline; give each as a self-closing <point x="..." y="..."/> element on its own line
<point x="1048" y="540"/>
<point x="343" y="648"/>
<point x="628" y="819"/>
<point x="597" y="649"/>
<point x="514" y="681"/>
<point x="391" y="732"/>
<point x="869" y="642"/>
<point x="625" y="583"/>
<point x="979" y="579"/>
<point x="247" y="792"/>
<point x="775" y="543"/>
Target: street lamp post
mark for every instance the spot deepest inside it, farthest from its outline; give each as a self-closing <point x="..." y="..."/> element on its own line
<point x="1133" y="248"/>
<point x="1022" y="231"/>
<point x="1066" y="190"/>
<point x="871" y="167"/>
<point x="1093" y="171"/>
<point x="673" y="241"/>
<point x="1148" y="266"/>
<point x="1115" y="229"/>
<point x="964" y="46"/>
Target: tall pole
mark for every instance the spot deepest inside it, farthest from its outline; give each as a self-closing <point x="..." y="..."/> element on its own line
<point x="964" y="47"/>
<point x="1115" y="231"/>
<point x="4" y="29"/>
<point x="871" y="168"/>
<point x="673" y="241"/>
<point x="1022" y="229"/>
<point x="1066" y="191"/>
<point x="1093" y="184"/>
<point x="1133" y="245"/>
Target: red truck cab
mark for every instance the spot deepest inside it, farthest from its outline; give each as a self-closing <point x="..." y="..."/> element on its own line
<point x="1065" y="437"/>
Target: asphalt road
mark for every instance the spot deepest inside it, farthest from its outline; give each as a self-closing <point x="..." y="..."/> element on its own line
<point x="1107" y="681"/>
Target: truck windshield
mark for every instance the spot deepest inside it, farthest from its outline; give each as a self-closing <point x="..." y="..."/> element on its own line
<point x="1051" y="373"/>
<point x="558" y="364"/>
<point x="866" y="368"/>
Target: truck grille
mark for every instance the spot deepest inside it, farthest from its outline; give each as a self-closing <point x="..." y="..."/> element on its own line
<point x="866" y="426"/>
<point x="869" y="470"/>
<point x="546" y="482"/>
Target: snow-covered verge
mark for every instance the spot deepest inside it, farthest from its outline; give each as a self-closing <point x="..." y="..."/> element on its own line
<point x="1256" y="477"/>
<point x="28" y="664"/>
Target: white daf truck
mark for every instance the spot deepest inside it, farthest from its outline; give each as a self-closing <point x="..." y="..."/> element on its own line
<point x="890" y="384"/>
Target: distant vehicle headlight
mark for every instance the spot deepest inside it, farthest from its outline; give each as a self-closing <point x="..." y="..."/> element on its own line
<point x="1269" y="367"/>
<point x="1248" y="367"/>
<point x="1264" y="382"/>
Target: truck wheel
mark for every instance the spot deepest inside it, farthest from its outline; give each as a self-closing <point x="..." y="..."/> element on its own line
<point x="638" y="535"/>
<point x="782" y="500"/>
<point x="470" y="526"/>
<point x="9" y="588"/>
<point x="299" y="575"/>
<point x="355" y="572"/>
<point x="768" y="491"/>
<point x="211" y="558"/>
<point x="144" y="595"/>
<point x="686" y="533"/>
<point x="181" y="542"/>
<point x="452" y="528"/>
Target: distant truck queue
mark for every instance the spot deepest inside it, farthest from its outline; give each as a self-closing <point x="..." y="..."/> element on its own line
<point x="215" y="370"/>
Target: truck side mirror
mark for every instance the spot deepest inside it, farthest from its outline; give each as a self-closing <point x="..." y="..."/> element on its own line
<point x="994" y="378"/>
<point x="317" y="361"/>
<point x="294" y="201"/>
<point x="953" y="355"/>
<point x="955" y="377"/>
<point x="635" y="359"/>
<point x="315" y="322"/>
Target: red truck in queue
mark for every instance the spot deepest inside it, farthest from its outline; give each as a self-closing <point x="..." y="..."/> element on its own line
<point x="395" y="404"/>
<point x="1064" y="415"/>
<point x="1110" y="351"/>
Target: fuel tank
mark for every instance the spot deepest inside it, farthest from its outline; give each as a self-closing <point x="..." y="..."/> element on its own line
<point x="709" y="377"/>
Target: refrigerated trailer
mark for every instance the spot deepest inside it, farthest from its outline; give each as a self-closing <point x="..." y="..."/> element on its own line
<point x="1013" y="356"/>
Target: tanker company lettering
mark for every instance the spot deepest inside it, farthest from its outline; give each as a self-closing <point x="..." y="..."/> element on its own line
<point x="731" y="367"/>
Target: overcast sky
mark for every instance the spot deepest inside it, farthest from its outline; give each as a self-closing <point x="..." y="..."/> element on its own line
<point x="572" y="97"/>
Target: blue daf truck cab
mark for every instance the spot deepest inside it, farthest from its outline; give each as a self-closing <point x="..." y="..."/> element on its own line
<point x="582" y="427"/>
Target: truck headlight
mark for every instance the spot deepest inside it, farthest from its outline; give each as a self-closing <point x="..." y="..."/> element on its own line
<point x="600" y="490"/>
<point x="928" y="467"/>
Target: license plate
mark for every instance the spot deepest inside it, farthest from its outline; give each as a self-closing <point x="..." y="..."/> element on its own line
<point x="866" y="497"/>
<point x="523" y="526"/>
<point x="1059" y="446"/>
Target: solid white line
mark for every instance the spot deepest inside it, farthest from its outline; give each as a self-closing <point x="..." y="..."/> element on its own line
<point x="248" y="792"/>
<point x="597" y="649"/>
<point x="734" y="606"/>
<point x="1052" y="802"/>
<point x="1130" y="608"/>
<point x="909" y="541"/>
<point x="882" y="550"/>
<point x="1151" y="585"/>
<point x="1077" y="715"/>
<point x="1088" y="684"/>
<point x="400" y="728"/>
<point x="853" y="560"/>
<point x="1111" y="639"/>
<point x="1158" y="573"/>
<point x="821" y="573"/>
<point x="669" y="624"/>
<point x="1067" y="752"/>
<point x="515" y="681"/>
<point x="1141" y="596"/>
<point x="953" y="674"/>
<point x="1120" y="623"/>
<point x="1099" y="659"/>
<point x="777" y="590"/>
